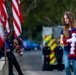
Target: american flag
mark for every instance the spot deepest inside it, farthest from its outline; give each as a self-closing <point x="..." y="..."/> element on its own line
<point x="1" y="37"/>
<point x="4" y="16"/>
<point x="17" y="17"/>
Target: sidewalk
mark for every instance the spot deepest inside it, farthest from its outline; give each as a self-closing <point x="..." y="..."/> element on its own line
<point x="45" y="72"/>
<point x="55" y="72"/>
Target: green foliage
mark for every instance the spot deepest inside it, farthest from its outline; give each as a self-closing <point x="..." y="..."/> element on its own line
<point x="46" y="12"/>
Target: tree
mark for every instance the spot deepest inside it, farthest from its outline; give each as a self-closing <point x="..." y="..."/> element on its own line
<point x="44" y="12"/>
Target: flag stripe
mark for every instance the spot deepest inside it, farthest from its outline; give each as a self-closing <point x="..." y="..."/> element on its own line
<point x="16" y="18"/>
<point x="17" y="26"/>
<point x="4" y="15"/>
<point x="1" y="37"/>
<point x="15" y="7"/>
<point x="16" y="33"/>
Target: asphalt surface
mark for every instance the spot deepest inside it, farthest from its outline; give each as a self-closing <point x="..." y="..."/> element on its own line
<point x="54" y="72"/>
<point x="31" y="64"/>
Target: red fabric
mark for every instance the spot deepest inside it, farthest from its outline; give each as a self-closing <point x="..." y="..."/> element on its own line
<point x="1" y="38"/>
<point x="17" y="17"/>
<point x="1" y="43"/>
<point x="65" y="41"/>
<point x="4" y="15"/>
<point x="72" y="56"/>
<point x="20" y="15"/>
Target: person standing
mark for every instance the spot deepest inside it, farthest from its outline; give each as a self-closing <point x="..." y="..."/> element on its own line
<point x="59" y="56"/>
<point x="46" y="53"/>
<point x="12" y="61"/>
<point x="69" y="24"/>
<point x="18" y="46"/>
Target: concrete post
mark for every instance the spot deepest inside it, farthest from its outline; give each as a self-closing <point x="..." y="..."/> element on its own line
<point x="3" y="66"/>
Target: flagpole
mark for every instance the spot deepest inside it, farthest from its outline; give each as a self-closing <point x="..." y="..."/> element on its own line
<point x="10" y="18"/>
<point x="8" y="6"/>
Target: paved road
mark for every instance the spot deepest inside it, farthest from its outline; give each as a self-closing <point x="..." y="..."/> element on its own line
<point x="45" y="73"/>
<point x="31" y="64"/>
<point x="31" y="61"/>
